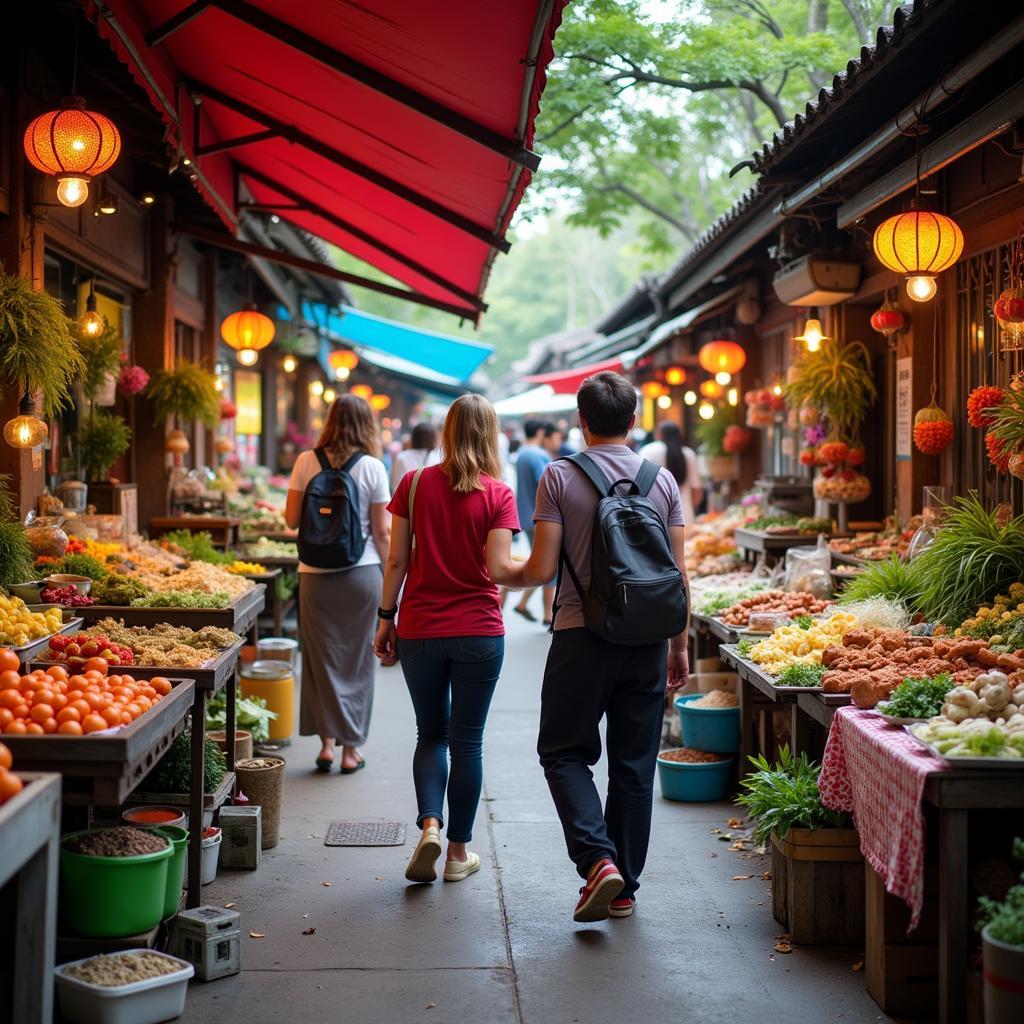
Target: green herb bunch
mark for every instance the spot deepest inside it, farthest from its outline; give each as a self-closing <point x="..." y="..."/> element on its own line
<point x="745" y="646"/>
<point x="803" y="621"/>
<point x="118" y="589"/>
<point x="786" y="796"/>
<point x="1005" y="918"/>
<point x="974" y="556"/>
<point x="16" y="563"/>
<point x="763" y="522"/>
<point x="173" y="772"/>
<point x="198" y="546"/>
<point x="104" y="438"/>
<point x="184" y="599"/>
<point x="79" y="565"/>
<point x="893" y="579"/>
<point x="801" y="675"/>
<point x="919" y="698"/>
<point x="710" y="434"/>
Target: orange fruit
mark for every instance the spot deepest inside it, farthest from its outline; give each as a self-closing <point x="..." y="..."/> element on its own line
<point x="10" y="698"/>
<point x="161" y="685"/>
<point x="57" y="672"/>
<point x="22" y="711"/>
<point x="93" y="723"/>
<point x="6" y="715"/>
<point x="70" y="728"/>
<point x="59" y="701"/>
<point x="77" y="682"/>
<point x="34" y="729"/>
<point x="15" y="728"/>
<point x="112" y="715"/>
<point x="9" y="660"/>
<point x="68" y="714"/>
<point x="82" y="706"/>
<point x="5" y="756"/>
<point x="50" y="725"/>
<point x="98" y="665"/>
<point x="94" y="700"/>
<point x="10" y="785"/>
<point x="27" y="685"/>
<point x="126" y="718"/>
<point x="9" y="679"/>
<point x="43" y="697"/>
<point x="41" y="712"/>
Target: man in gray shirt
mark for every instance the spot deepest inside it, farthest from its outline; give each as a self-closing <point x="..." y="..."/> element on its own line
<point x="588" y="678"/>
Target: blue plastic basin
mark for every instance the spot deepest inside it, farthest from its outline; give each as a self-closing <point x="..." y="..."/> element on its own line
<point x="716" y="730"/>
<point x="694" y="783"/>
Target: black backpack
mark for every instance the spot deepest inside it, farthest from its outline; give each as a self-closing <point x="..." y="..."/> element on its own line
<point x="636" y="594"/>
<point x="331" y="530"/>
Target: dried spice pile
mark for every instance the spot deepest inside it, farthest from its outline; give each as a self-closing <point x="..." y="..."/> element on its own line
<point x="717" y="699"/>
<point x="122" y="841"/>
<point x="121" y="969"/>
<point x="168" y="646"/>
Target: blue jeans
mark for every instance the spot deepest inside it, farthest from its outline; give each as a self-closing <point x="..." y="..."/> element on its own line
<point x="451" y="682"/>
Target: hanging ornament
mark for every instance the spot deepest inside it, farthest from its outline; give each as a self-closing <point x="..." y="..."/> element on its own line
<point x="1008" y="309"/>
<point x="888" y="319"/>
<point x="979" y="401"/>
<point x="722" y="357"/>
<point x="177" y="443"/>
<point x="26" y="430"/>
<point x="933" y="429"/>
<point x="90" y="324"/>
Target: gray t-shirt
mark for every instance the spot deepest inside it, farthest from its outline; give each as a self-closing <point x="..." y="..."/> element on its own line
<point x="567" y="497"/>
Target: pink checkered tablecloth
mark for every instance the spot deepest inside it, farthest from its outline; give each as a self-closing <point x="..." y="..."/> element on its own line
<point x="877" y="772"/>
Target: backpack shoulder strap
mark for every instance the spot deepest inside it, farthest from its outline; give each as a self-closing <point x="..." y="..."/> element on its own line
<point x="321" y="457"/>
<point x="646" y="477"/>
<point x="582" y="461"/>
<point x="352" y="460"/>
<point x="412" y="502"/>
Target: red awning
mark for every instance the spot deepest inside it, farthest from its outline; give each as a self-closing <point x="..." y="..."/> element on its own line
<point x="567" y="382"/>
<point x="399" y="132"/>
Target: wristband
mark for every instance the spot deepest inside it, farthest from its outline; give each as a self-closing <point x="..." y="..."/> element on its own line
<point x="387" y="615"/>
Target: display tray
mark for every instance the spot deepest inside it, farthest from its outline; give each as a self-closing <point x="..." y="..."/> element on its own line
<point x="28" y="651"/>
<point x="713" y="625"/>
<point x="971" y="763"/>
<point x="854" y="560"/>
<point x="757" y="677"/>
<point x="895" y="719"/>
<point x="263" y="577"/>
<point x="212" y="676"/>
<point x="211" y="801"/>
<point x="761" y="541"/>
<point x="275" y="561"/>
<point x="285" y="536"/>
<point x="238" y="616"/>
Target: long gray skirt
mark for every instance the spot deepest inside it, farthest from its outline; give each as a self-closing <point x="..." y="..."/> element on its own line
<point x="337" y="619"/>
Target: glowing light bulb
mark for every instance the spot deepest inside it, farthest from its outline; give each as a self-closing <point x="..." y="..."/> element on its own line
<point x="26" y="430"/>
<point x="690" y="398"/>
<point x="732" y="396"/>
<point x="219" y="384"/>
<point x="813" y="335"/>
<point x="289" y="364"/>
<point x="664" y="401"/>
<point x="90" y="324"/>
<point x="723" y="378"/>
<point x="316" y="388"/>
<point x="342" y="373"/>
<point x="248" y="356"/>
<point x="72" y="191"/>
<point x="706" y="411"/>
<point x="330" y="395"/>
<point x="921" y="288"/>
<point x="776" y="390"/>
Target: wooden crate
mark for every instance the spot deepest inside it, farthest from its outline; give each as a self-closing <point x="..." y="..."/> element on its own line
<point x="901" y="971"/>
<point x="818" y="887"/>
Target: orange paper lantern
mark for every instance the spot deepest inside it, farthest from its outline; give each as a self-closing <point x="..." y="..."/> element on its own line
<point x="653" y="389"/>
<point x="343" y="359"/>
<point x="248" y="329"/>
<point x="919" y="244"/>
<point x="675" y="375"/>
<point x="380" y="402"/>
<point x="361" y="391"/>
<point x="722" y="357"/>
<point x="711" y="389"/>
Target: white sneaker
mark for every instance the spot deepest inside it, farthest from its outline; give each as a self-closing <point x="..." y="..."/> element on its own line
<point x="457" y="870"/>
<point x="422" y="864"/>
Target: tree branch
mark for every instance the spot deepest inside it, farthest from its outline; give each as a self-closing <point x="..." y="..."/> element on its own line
<point x="853" y="9"/>
<point x="767" y="97"/>
<point x="682" y="227"/>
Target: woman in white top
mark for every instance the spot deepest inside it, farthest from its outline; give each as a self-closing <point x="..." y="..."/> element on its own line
<point x="422" y="452"/>
<point x="670" y="452"/>
<point x="338" y="607"/>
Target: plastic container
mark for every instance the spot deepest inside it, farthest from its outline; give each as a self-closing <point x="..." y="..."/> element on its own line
<point x="110" y="897"/>
<point x="175" y="866"/>
<point x="141" y="1002"/>
<point x="153" y="816"/>
<point x="29" y="592"/>
<point x="277" y="648"/>
<point x="694" y="783"/>
<point x="274" y="681"/>
<point x="716" y="730"/>
<point x="211" y="854"/>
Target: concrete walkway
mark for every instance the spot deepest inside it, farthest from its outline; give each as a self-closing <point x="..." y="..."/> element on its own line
<point x="501" y="947"/>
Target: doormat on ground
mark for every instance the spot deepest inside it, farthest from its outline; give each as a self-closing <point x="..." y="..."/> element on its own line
<point x="365" y="833"/>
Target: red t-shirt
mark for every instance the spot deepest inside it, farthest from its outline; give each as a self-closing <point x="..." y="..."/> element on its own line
<point x="447" y="590"/>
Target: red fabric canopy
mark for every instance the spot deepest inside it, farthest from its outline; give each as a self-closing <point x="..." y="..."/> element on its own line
<point x="567" y="382"/>
<point x="425" y="195"/>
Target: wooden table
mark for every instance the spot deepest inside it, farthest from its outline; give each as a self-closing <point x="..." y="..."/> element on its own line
<point x="29" y="852"/>
<point x="222" y="529"/>
<point x="772" y="545"/>
<point x="818" y="709"/>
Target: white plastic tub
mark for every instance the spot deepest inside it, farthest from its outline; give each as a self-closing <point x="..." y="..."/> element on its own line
<point x="211" y="854"/>
<point x="142" y="1002"/>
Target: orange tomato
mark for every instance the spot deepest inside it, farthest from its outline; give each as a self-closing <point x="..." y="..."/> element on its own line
<point x="77" y="682"/>
<point x="34" y="729"/>
<point x="9" y="698"/>
<point x="6" y="715"/>
<point x="126" y="718"/>
<point x="9" y="660"/>
<point x="94" y="700"/>
<point x="113" y="681"/>
<point x="81" y="706"/>
<point x="21" y="711"/>
<point x="68" y="714"/>
<point x="10" y="785"/>
<point x="38" y="673"/>
<point x="43" y="697"/>
<point x="98" y="665"/>
<point x="50" y="725"/>
<point x="5" y="756"/>
<point x="112" y="715"/>
<point x="41" y="712"/>
<point x="161" y="685"/>
<point x="133" y="709"/>
<point x="70" y="728"/>
<point x="59" y="701"/>
<point x="93" y="723"/>
<point x="9" y="679"/>
<point x="15" y="728"/>
<point x="27" y="685"/>
<point x="148" y="691"/>
<point x="58" y="672"/>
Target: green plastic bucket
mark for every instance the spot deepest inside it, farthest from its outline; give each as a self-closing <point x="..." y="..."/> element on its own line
<point x="175" y="866"/>
<point x="111" y="897"/>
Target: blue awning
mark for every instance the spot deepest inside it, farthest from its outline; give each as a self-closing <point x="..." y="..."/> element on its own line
<point x="450" y="357"/>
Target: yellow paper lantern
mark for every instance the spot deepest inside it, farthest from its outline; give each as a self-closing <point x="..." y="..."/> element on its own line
<point x="919" y="244"/>
<point x="675" y="375"/>
<point x="247" y="331"/>
<point x="722" y="357"/>
<point x="653" y="389"/>
<point x="711" y="389"/>
<point x="343" y="358"/>
<point x="379" y="402"/>
<point x="361" y="391"/>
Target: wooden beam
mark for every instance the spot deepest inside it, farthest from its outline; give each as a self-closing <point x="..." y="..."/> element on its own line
<point x="339" y="222"/>
<point x="201" y="234"/>
<point x="403" y="191"/>
<point x="179" y="20"/>
<point x="225" y="144"/>
<point x="316" y="49"/>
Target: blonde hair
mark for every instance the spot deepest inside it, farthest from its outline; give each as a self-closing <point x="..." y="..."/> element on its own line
<point x="349" y="427"/>
<point x="469" y="439"/>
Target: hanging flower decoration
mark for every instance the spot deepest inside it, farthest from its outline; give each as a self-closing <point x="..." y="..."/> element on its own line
<point x="1008" y="309"/>
<point x="736" y="439"/>
<point x="998" y="452"/>
<point x="933" y="429"/>
<point x="982" y="403"/>
<point x="132" y="380"/>
<point x="228" y="409"/>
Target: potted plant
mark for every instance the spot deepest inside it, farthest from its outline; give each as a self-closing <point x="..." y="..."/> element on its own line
<point x="1002" y="937"/>
<point x="104" y="438"/>
<point x="183" y="395"/>
<point x="713" y="460"/>
<point x="170" y="781"/>
<point x="817" y="867"/>
<point x="103" y="355"/>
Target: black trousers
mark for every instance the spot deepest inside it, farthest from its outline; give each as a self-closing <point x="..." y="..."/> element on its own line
<point x="586" y="679"/>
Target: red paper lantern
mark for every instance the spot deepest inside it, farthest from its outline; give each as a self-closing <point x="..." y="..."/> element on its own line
<point x="1009" y="307"/>
<point x="722" y="357"/>
<point x="887" y="319"/>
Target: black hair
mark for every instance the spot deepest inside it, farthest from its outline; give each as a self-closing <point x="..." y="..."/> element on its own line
<point x="675" y="459"/>
<point x="532" y="427"/>
<point x="607" y="401"/>
<point x="551" y="428"/>
<point x="424" y="436"/>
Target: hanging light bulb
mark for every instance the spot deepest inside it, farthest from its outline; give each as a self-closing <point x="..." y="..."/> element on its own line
<point x="723" y="378"/>
<point x="316" y="388"/>
<point x="732" y="396"/>
<point x="72" y="192"/>
<point x="921" y="287"/>
<point x="706" y="411"/>
<point x="664" y="401"/>
<point x="218" y="383"/>
<point x="675" y="375"/>
<point x="813" y="335"/>
<point x="26" y="430"/>
<point x="248" y="356"/>
<point x="342" y="373"/>
<point x="330" y="395"/>
<point x="919" y="244"/>
<point x="690" y="398"/>
<point x="289" y="364"/>
<point x="90" y="323"/>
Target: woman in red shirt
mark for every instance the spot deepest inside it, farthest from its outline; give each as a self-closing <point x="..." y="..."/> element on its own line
<point x="450" y="635"/>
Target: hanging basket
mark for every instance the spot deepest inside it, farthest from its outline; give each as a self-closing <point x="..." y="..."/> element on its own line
<point x="933" y="429"/>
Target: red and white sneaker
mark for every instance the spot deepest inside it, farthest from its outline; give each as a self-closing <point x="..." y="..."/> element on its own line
<point x="622" y="907"/>
<point x="603" y="885"/>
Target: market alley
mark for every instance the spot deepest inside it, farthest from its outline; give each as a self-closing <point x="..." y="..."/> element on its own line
<point x="501" y="947"/>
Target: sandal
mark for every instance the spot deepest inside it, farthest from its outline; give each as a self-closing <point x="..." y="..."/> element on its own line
<point x="352" y="771"/>
<point x="526" y="613"/>
<point x="324" y="764"/>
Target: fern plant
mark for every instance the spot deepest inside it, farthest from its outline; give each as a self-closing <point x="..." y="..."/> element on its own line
<point x="102" y="355"/>
<point x="893" y="578"/>
<point x="37" y="348"/>
<point x="186" y="392"/>
<point x="16" y="565"/>
<point x="104" y="438"/>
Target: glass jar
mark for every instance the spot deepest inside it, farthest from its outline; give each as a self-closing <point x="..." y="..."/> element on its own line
<point x="45" y="536"/>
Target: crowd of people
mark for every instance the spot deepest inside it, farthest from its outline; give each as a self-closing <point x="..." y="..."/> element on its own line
<point x="419" y="557"/>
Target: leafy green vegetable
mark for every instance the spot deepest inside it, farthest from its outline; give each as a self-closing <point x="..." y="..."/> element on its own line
<point x="745" y="646"/>
<point x="251" y="713"/>
<point x="15" y="555"/>
<point x="919" y="698"/>
<point x="763" y="522"/>
<point x="1005" y="918"/>
<point x="173" y="772"/>
<point x="800" y="675"/>
<point x="118" y="589"/>
<point x="714" y="601"/>
<point x="786" y="796"/>
<point x="893" y="579"/>
<point x="184" y="599"/>
<point x="803" y="621"/>
<point x="79" y="565"/>
<point x="198" y="546"/>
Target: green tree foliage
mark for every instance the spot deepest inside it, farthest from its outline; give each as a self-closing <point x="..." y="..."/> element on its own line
<point x="649" y="104"/>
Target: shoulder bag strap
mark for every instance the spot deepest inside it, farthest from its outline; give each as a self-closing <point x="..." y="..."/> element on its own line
<point x="412" y="501"/>
<point x="321" y="457"/>
<point x="646" y="477"/>
<point x="352" y="460"/>
<point x="582" y="461"/>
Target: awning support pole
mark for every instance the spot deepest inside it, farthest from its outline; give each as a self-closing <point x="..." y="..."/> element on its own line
<point x="242" y="140"/>
<point x="321" y="269"/>
<point x="157" y="35"/>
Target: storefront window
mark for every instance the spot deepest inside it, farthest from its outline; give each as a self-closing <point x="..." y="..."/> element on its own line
<point x="249" y="422"/>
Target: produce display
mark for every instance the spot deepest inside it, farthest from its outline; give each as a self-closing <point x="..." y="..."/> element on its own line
<point x="165" y="645"/>
<point x="974" y="737"/>
<point x="917" y="697"/>
<point x="243" y="568"/>
<point x="793" y="604"/>
<point x="801" y="643"/>
<point x="874" y="545"/>
<point x="66" y="597"/>
<point x="251" y="713"/>
<point x="808" y="676"/>
<point x="710" y="554"/>
<point x="118" y="589"/>
<point x="716" y="699"/>
<point x="75" y="651"/>
<point x="790" y="524"/>
<point x="19" y="626"/>
<point x="73" y="565"/>
<point x="709" y="599"/>
<point x="892" y="579"/>
<point x="991" y="695"/>
<point x="198" y="577"/>
<point x="687" y="755"/>
<point x="1001" y="623"/>
<point x="264" y="548"/>
<point x="845" y="485"/>
<point x="10" y="784"/>
<point x="110" y="970"/>
<point x="73" y="705"/>
<point x="173" y="772"/>
<point x="122" y="841"/>
<point x="265" y="518"/>
<point x="184" y="599"/>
